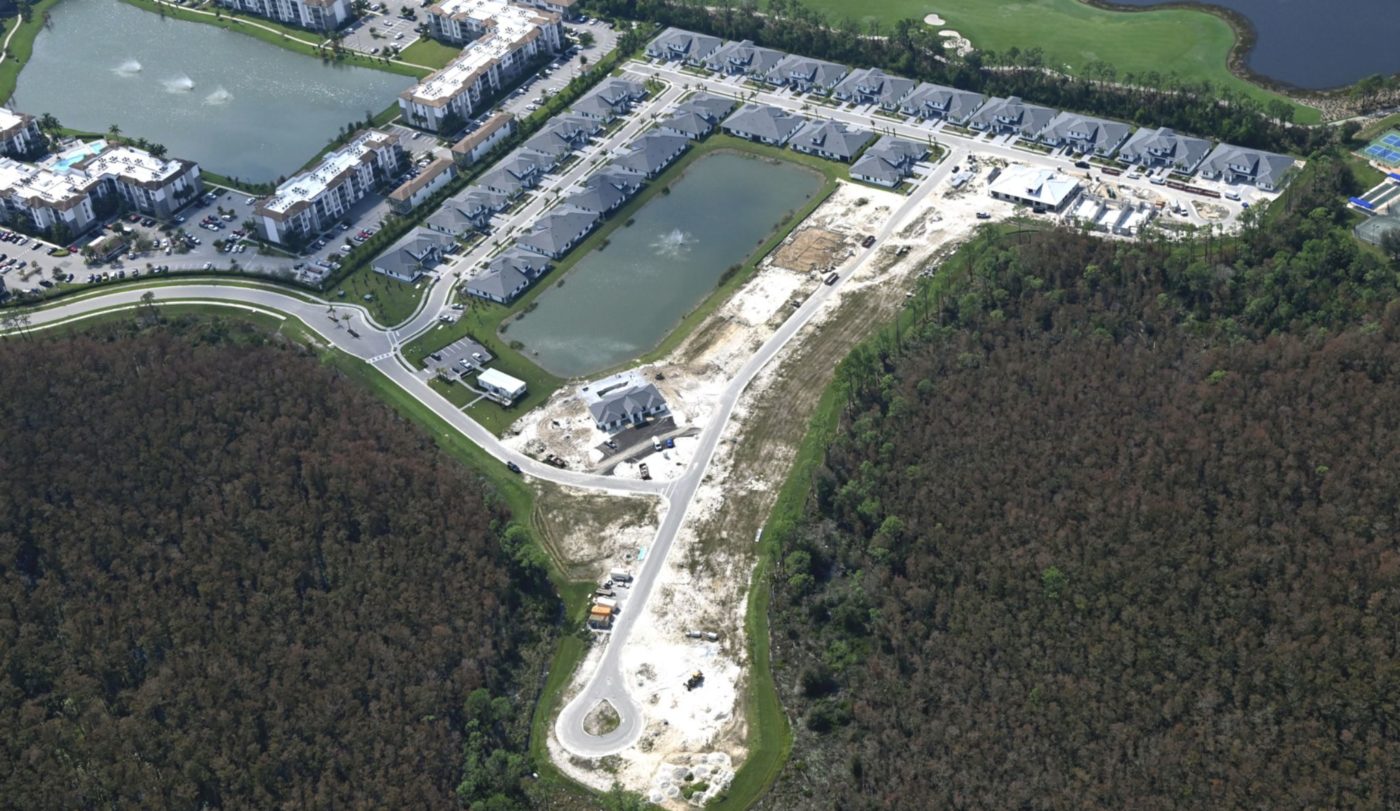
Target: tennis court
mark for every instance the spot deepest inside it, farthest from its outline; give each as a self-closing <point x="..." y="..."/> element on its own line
<point x="1385" y="150"/>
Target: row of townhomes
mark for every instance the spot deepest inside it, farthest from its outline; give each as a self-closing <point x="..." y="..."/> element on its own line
<point x="312" y="202"/>
<point x="559" y="229"/>
<point x="316" y="15"/>
<point x="1080" y="134"/>
<point x="886" y="162"/>
<point x="75" y="190"/>
<point x="501" y="41"/>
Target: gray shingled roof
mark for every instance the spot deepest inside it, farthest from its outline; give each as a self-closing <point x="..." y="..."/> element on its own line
<point x="875" y="83"/>
<point x="711" y="106"/>
<point x="814" y="72"/>
<point x="1026" y="119"/>
<point x="556" y="232"/>
<point x="1099" y="134"/>
<point x="679" y="43"/>
<point x="594" y="107"/>
<point x="1265" y="168"/>
<point x="687" y="123"/>
<point x="597" y="197"/>
<point x="500" y="285"/>
<point x="765" y="122"/>
<point x="451" y="219"/>
<point x="651" y="153"/>
<point x="1165" y="144"/>
<point x="950" y="102"/>
<point x="831" y="138"/>
<point x="530" y="264"/>
<point x="621" y="405"/>
<point x="743" y="57"/>
<point x="889" y="159"/>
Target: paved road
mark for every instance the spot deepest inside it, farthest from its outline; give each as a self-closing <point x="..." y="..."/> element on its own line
<point x="924" y="131"/>
<point x="543" y="198"/>
<point x="607" y="682"/>
<point x="355" y="333"/>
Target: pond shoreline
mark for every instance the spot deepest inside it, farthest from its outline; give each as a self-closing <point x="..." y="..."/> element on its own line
<point x="1246" y="38"/>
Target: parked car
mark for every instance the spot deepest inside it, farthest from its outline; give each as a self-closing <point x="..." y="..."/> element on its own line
<point x="868" y="241"/>
<point x="832" y="277"/>
<point x="512" y="467"/>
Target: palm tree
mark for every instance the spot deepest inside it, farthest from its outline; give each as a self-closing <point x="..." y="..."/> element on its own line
<point x="48" y="122"/>
<point x="157" y="150"/>
<point x="114" y="130"/>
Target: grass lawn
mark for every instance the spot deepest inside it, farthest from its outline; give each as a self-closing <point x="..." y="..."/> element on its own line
<point x="21" y="46"/>
<point x="1193" y="44"/>
<point x="293" y="39"/>
<point x="392" y="302"/>
<point x="429" y="52"/>
<point x="483" y="320"/>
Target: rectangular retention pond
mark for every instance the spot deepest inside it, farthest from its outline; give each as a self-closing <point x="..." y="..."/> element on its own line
<point x="620" y="301"/>
<point x="234" y="104"/>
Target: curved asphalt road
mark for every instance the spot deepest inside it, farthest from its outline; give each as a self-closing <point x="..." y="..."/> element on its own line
<point x="379" y="347"/>
<point x="607" y="682"/>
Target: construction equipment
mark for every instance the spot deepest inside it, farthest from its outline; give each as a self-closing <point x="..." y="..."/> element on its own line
<point x="696" y="679"/>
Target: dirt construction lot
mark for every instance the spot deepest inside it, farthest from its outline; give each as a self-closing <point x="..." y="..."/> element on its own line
<point x="705" y="582"/>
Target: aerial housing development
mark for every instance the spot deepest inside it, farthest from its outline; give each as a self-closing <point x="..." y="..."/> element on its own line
<point x="312" y="202"/>
<point x="502" y="40"/>
<point x="636" y="278"/>
<point x="78" y="188"/>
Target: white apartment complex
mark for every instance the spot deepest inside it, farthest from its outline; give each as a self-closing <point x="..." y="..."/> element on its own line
<point x="308" y="203"/>
<point x="501" y="40"/>
<point x="317" y="15"/>
<point x="19" y="134"/>
<point x="79" y="187"/>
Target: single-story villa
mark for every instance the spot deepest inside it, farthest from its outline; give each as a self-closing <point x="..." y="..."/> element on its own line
<point x="609" y="99"/>
<point x="806" y="75"/>
<point x="1011" y="115"/>
<point x="500" y="286"/>
<point x="605" y="191"/>
<point x="830" y="140"/>
<point x="1164" y="147"/>
<point x="1083" y="133"/>
<point x="407" y="260"/>
<point x="874" y="86"/>
<point x="501" y="385"/>
<point x="622" y="400"/>
<point x="1042" y="189"/>
<point x="743" y="59"/>
<point x="675" y="44"/>
<point x="933" y="101"/>
<point x="507" y="276"/>
<point x="889" y="161"/>
<point x="1236" y="164"/>
<point x="764" y="124"/>
<point x="558" y="231"/>
<point x="651" y="153"/>
<point x="698" y="116"/>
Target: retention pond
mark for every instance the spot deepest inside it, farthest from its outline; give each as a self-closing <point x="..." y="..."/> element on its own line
<point x="620" y="301"/>
<point x="234" y="104"/>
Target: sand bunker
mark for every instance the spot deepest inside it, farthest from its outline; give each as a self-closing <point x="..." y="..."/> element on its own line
<point x="934" y="19"/>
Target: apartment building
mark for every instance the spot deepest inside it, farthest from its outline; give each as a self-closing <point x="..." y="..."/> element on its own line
<point x="19" y="135"/>
<point x="310" y="202"/>
<point x="316" y="15"/>
<point x="75" y="190"/>
<point x="502" y="40"/>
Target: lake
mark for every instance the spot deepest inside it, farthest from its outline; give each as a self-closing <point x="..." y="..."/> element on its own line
<point x="237" y="105"/>
<point x="1317" y="44"/>
<point x="621" y="301"/>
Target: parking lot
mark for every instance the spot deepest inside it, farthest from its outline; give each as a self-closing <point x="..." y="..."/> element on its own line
<point x="562" y="70"/>
<point x="374" y="32"/>
<point x="460" y="357"/>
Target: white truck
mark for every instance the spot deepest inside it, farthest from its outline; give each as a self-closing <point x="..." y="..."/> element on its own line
<point x="620" y="576"/>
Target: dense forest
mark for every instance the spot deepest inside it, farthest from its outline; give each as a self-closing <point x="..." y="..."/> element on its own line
<point x="232" y="579"/>
<point x="1110" y="525"/>
<point x="913" y="49"/>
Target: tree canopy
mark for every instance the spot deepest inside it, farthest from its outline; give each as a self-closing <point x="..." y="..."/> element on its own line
<point x="1110" y="525"/>
<point x="231" y="579"/>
